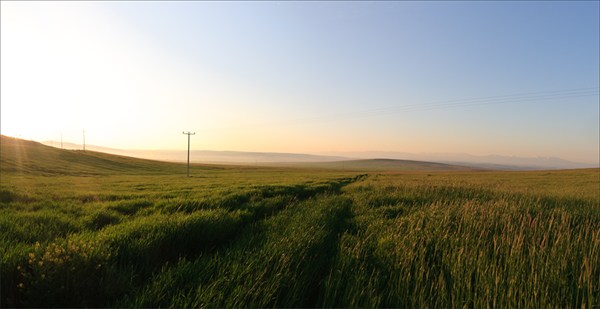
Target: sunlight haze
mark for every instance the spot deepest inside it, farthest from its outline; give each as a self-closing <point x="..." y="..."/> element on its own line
<point x="505" y="78"/>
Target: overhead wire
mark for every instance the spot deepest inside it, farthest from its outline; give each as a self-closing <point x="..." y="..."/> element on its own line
<point x="490" y="100"/>
<point x="455" y="103"/>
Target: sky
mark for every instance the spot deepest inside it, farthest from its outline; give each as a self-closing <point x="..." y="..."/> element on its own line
<point x="506" y="78"/>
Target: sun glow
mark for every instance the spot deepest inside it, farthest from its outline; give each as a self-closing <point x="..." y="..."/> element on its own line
<point x="287" y="77"/>
<point x="66" y="68"/>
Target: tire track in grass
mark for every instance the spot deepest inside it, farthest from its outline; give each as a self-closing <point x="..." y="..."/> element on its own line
<point x="281" y="261"/>
<point x="125" y="256"/>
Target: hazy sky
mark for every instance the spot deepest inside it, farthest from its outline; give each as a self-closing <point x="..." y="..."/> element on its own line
<point x="508" y="78"/>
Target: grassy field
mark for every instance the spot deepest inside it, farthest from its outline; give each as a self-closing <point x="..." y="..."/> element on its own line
<point x="94" y="230"/>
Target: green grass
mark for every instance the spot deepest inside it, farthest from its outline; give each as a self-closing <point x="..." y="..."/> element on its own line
<point x="470" y="240"/>
<point x="94" y="230"/>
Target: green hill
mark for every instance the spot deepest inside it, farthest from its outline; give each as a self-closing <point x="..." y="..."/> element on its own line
<point x="21" y="156"/>
<point x="382" y="165"/>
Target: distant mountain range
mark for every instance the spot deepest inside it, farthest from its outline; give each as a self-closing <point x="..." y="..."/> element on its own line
<point x="239" y="157"/>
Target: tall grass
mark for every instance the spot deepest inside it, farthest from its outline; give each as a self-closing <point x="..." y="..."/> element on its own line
<point x="294" y="238"/>
<point x="279" y="262"/>
<point x="429" y="246"/>
<point x="90" y="249"/>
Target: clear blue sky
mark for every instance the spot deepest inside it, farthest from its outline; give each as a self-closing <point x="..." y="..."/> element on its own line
<point x="307" y="76"/>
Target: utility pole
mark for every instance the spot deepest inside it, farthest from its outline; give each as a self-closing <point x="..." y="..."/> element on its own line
<point x="83" y="140"/>
<point x="188" y="159"/>
<point x="61" y="143"/>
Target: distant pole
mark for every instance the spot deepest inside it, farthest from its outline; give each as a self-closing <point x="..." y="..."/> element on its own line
<point x="83" y="140"/>
<point x="188" y="158"/>
<point x="61" y="143"/>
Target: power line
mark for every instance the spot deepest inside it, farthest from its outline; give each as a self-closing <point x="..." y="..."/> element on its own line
<point x="491" y="100"/>
<point x="456" y="103"/>
<point x="188" y="154"/>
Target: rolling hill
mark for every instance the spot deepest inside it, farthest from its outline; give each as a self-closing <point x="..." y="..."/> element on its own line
<point x="379" y="165"/>
<point x="487" y="162"/>
<point x="206" y="156"/>
<point x="21" y="156"/>
<point x="494" y="162"/>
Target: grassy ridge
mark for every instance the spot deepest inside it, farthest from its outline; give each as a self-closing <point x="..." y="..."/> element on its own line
<point x="379" y="165"/>
<point x="29" y="157"/>
<point x="114" y="231"/>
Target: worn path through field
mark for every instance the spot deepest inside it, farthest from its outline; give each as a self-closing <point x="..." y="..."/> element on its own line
<point x="279" y="260"/>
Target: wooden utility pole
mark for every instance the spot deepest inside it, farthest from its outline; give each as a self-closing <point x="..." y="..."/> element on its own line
<point x="188" y="158"/>
<point x="83" y="140"/>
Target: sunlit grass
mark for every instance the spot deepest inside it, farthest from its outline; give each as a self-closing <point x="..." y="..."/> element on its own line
<point x="444" y="244"/>
<point x="275" y="237"/>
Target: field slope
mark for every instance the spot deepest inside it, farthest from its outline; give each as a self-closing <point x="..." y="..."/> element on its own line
<point x="95" y="230"/>
<point x="380" y="165"/>
<point x="17" y="155"/>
